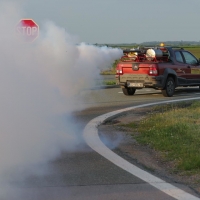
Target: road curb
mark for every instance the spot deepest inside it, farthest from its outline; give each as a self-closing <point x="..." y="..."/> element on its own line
<point x="91" y="137"/>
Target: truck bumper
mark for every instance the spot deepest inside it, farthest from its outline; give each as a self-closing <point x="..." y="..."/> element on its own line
<point x="140" y="81"/>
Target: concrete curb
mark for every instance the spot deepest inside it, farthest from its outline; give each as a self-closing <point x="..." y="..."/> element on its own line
<point x="91" y="137"/>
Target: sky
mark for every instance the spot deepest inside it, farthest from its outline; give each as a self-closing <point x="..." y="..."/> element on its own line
<point x="120" y="21"/>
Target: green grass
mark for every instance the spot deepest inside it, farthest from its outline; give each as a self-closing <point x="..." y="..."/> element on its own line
<point x="175" y="133"/>
<point x="112" y="70"/>
<point x="194" y="50"/>
<point x="109" y="83"/>
<point x="105" y="82"/>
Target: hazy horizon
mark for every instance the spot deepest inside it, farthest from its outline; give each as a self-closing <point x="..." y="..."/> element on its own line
<point x="119" y="21"/>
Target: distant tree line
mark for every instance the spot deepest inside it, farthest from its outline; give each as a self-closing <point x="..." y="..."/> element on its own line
<point x="173" y="43"/>
<point x="154" y="43"/>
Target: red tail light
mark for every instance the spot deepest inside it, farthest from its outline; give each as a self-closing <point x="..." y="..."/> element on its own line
<point x="119" y="70"/>
<point x="153" y="71"/>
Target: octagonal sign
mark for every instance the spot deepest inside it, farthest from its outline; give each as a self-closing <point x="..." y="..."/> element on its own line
<point x="27" y="29"/>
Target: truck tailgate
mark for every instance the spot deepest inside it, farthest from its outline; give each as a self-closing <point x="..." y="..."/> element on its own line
<point x="136" y="68"/>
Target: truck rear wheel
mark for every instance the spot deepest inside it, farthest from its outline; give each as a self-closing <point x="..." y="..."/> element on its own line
<point x="169" y="88"/>
<point x="128" y="91"/>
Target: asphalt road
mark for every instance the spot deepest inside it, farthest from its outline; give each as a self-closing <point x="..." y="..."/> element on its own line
<point x="84" y="174"/>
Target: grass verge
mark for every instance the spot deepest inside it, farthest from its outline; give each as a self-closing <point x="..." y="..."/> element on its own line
<point x="195" y="51"/>
<point x="112" y="70"/>
<point x="109" y="82"/>
<point x="174" y="131"/>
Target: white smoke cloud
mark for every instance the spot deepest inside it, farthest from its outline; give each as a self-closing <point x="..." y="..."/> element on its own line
<point x="40" y="82"/>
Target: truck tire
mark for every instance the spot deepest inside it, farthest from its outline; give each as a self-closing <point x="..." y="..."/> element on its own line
<point x="169" y="89"/>
<point x="128" y="91"/>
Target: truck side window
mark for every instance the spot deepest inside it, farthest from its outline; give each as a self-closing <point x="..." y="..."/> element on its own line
<point x="179" y="57"/>
<point x="189" y="58"/>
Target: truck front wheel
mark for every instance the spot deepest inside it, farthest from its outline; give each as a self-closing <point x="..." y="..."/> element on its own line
<point x="169" y="87"/>
<point x="128" y="91"/>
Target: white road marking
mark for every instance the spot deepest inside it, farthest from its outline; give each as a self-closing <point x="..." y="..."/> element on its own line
<point x="91" y="137"/>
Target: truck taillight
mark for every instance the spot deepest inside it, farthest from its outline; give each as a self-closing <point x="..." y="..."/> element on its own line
<point x="153" y="71"/>
<point x="119" y="70"/>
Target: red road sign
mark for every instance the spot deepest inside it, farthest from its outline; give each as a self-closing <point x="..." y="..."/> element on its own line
<point x="27" y="29"/>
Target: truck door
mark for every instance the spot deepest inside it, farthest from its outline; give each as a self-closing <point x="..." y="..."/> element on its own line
<point x="193" y="64"/>
<point x="182" y="69"/>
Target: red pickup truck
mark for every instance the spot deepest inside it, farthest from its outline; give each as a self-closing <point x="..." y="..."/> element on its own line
<point x="162" y="68"/>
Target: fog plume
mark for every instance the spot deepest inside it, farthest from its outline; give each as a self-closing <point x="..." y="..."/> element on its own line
<point x="40" y="83"/>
